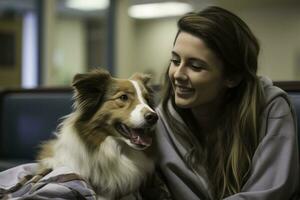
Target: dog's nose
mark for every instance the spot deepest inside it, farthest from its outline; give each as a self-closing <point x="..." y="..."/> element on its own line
<point x="151" y="118"/>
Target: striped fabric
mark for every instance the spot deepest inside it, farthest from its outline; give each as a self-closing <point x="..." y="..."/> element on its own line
<point x="21" y="182"/>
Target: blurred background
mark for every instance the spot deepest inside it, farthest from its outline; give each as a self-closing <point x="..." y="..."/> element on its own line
<point x="43" y="43"/>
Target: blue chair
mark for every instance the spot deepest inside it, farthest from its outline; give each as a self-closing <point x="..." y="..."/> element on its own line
<point x="28" y="117"/>
<point x="293" y="90"/>
<point x="295" y="99"/>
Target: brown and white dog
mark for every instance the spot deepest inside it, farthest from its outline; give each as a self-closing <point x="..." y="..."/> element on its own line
<point x="105" y="138"/>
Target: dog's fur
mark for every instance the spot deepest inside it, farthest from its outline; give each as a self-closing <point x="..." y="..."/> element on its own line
<point x="105" y="138"/>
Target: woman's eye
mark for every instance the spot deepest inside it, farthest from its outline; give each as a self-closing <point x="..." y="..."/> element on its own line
<point x="124" y="97"/>
<point x="197" y="66"/>
<point x="175" y="62"/>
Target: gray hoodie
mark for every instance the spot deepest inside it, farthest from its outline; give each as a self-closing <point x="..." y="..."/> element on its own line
<point x="275" y="164"/>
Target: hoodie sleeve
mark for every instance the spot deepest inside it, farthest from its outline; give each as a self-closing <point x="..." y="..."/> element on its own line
<point x="275" y="164"/>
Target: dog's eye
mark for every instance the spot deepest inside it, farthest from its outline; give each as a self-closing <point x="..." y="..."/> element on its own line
<point x="124" y="97"/>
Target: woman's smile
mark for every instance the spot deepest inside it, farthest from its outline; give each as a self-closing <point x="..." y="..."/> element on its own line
<point x="184" y="91"/>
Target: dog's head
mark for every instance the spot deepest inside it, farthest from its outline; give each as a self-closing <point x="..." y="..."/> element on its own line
<point x="120" y="108"/>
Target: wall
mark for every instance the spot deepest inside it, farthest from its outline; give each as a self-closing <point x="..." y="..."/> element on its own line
<point x="64" y="49"/>
<point x="124" y="41"/>
<point x="153" y="45"/>
<point x="278" y="30"/>
<point x="69" y="51"/>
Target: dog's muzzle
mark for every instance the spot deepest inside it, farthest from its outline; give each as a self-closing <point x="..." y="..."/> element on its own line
<point x="139" y="136"/>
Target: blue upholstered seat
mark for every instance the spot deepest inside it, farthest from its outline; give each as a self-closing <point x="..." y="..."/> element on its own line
<point x="295" y="98"/>
<point x="28" y="117"/>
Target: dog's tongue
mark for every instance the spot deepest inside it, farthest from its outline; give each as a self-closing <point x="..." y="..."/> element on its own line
<point x="140" y="138"/>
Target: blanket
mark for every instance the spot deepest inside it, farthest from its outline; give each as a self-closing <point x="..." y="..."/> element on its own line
<point x="22" y="182"/>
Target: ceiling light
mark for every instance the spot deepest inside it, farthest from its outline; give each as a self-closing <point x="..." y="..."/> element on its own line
<point x="88" y="5"/>
<point x="159" y="10"/>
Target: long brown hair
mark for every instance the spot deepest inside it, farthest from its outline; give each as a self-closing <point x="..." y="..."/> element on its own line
<point x="228" y="160"/>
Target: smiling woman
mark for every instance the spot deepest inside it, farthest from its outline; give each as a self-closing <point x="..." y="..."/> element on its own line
<point x="221" y="126"/>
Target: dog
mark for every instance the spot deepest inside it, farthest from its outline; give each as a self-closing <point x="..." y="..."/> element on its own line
<point x="105" y="139"/>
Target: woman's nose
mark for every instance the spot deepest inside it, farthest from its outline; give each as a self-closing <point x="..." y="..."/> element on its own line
<point x="180" y="73"/>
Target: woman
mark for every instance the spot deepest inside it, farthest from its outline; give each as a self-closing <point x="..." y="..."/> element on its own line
<point x="224" y="132"/>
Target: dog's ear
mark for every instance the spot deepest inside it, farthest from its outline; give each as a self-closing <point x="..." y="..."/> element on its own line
<point x="145" y="78"/>
<point x="92" y="80"/>
<point x="90" y="87"/>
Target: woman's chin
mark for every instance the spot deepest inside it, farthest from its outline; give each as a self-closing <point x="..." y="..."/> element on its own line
<point x="183" y="103"/>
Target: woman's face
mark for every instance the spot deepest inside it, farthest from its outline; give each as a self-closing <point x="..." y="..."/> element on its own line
<point x="196" y="74"/>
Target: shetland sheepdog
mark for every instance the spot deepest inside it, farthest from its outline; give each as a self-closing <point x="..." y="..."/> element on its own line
<point x="105" y="139"/>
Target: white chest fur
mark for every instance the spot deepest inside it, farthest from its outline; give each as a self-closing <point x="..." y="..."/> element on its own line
<point x="112" y="169"/>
